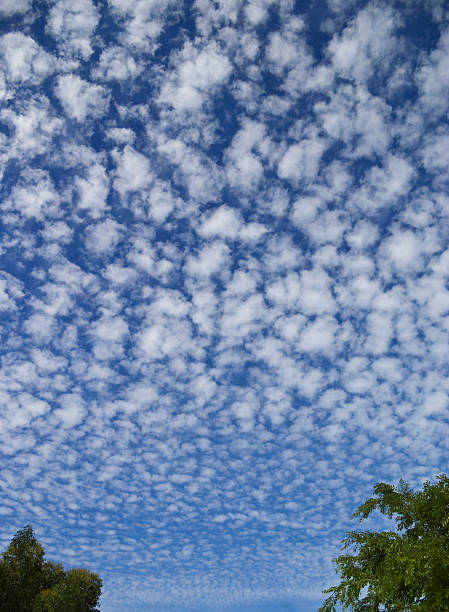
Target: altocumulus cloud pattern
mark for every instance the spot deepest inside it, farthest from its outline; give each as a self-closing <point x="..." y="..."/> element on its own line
<point x="224" y="285"/>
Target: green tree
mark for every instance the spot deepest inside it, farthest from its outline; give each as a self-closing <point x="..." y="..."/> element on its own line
<point x="79" y="592"/>
<point x="402" y="570"/>
<point x="53" y="573"/>
<point x="29" y="583"/>
<point x="22" y="572"/>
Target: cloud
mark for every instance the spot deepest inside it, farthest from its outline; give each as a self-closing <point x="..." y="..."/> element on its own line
<point x="72" y="26"/>
<point x="162" y="201"/>
<point x="282" y="48"/>
<point x="103" y="237"/>
<point x="366" y="45"/>
<point x="404" y="250"/>
<point x="72" y="411"/>
<point x="245" y="167"/>
<point x="432" y="77"/>
<point x="80" y="99"/>
<point x="116" y="64"/>
<point x="198" y="172"/>
<point x="133" y="171"/>
<point x="198" y="74"/>
<point x="35" y="128"/>
<point x="224" y="222"/>
<point x="167" y="332"/>
<point x="41" y="326"/>
<point x="34" y="195"/>
<point x="362" y="235"/>
<point x="301" y="160"/>
<point x="211" y="260"/>
<point x="435" y="154"/>
<point x="24" y="60"/>
<point x="384" y="185"/>
<point x="121" y="135"/>
<point x="93" y="190"/>
<point x="108" y="334"/>
<point x="256" y="12"/>
<point x="10" y="290"/>
<point x="142" y="21"/>
<point x="318" y="335"/>
<point x="12" y="7"/>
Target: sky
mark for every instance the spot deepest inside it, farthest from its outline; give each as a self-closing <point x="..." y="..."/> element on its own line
<point x="224" y="296"/>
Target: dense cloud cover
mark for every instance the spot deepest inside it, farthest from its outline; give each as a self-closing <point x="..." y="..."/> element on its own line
<point x="224" y="285"/>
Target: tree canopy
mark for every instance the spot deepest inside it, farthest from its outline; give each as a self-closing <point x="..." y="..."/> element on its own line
<point x="29" y="583"/>
<point x="402" y="570"/>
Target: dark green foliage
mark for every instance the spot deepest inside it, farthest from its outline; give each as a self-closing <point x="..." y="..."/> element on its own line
<point x="29" y="583"/>
<point x="79" y="592"/>
<point x="399" y="571"/>
<point x="22" y="565"/>
<point x="86" y="583"/>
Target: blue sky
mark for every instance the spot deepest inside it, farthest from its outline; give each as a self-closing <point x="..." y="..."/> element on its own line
<point x="223" y="288"/>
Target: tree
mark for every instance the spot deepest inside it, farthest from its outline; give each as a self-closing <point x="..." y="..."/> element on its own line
<point x="402" y="570"/>
<point x="87" y="584"/>
<point x="29" y="583"/>
<point x="78" y="592"/>
<point x="21" y="572"/>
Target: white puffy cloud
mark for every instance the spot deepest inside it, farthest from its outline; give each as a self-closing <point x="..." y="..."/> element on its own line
<point x="121" y="135"/>
<point x="116" y="64"/>
<point x="198" y="74"/>
<point x="35" y="128"/>
<point x="366" y="45"/>
<point x="357" y="118"/>
<point x="211" y="260"/>
<point x="404" y="250"/>
<point x="108" y="334"/>
<point x="34" y="195"/>
<point x="120" y="274"/>
<point x="12" y="7"/>
<point x="72" y="411"/>
<point x="93" y="190"/>
<point x="362" y="235"/>
<point x="110" y="329"/>
<point x="301" y="160"/>
<point x="41" y="326"/>
<point x="380" y="331"/>
<point x="72" y="26"/>
<point x="389" y="368"/>
<point x="103" y="236"/>
<point x="143" y="21"/>
<point x="282" y="49"/>
<point x="318" y="336"/>
<point x="433" y="79"/>
<point x="305" y="210"/>
<point x="201" y="175"/>
<point x="385" y="185"/>
<point x="223" y="222"/>
<point x="167" y="331"/>
<point x="10" y="291"/>
<point x="34" y="406"/>
<point x="133" y="171"/>
<point x="245" y="167"/>
<point x="161" y="201"/>
<point x="24" y="60"/>
<point x="256" y="12"/>
<point x="314" y="292"/>
<point x="436" y="403"/>
<point x="81" y="99"/>
<point x="435" y="153"/>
